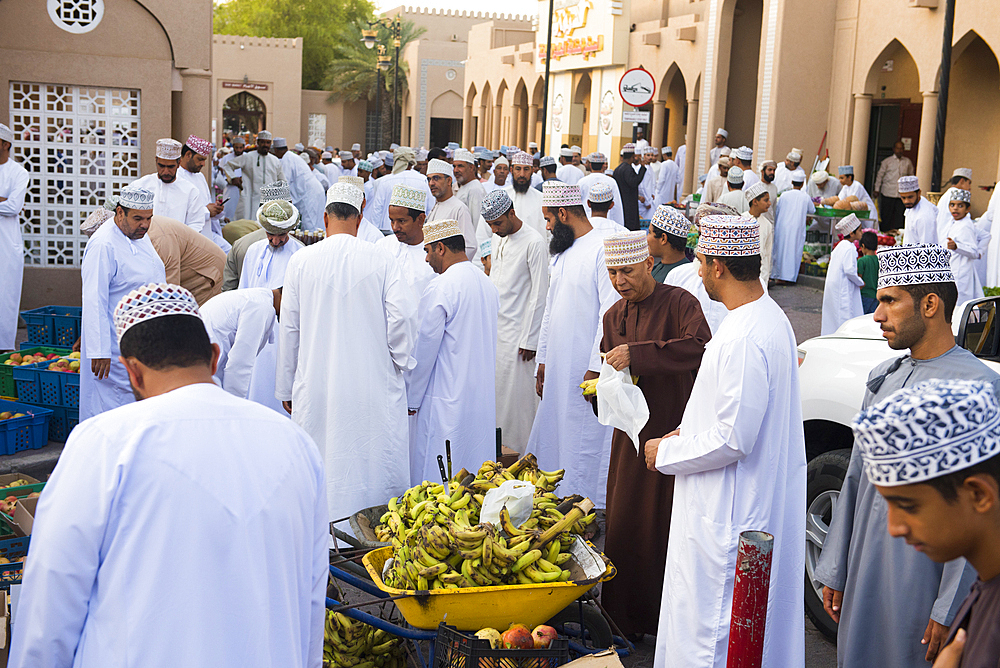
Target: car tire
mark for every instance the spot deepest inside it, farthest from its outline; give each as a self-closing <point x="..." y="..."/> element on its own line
<point x="824" y="477"/>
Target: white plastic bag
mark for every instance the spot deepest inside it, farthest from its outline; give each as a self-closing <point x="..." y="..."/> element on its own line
<point x="620" y="404"/>
<point x="517" y="495"/>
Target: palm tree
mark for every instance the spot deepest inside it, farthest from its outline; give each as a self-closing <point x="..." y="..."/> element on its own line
<point x="351" y="75"/>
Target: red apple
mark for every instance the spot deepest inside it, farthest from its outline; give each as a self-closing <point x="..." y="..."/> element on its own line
<point x="543" y="636"/>
<point x="517" y="637"/>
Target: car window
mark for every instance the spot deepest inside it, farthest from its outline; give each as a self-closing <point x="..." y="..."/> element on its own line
<point x="981" y="334"/>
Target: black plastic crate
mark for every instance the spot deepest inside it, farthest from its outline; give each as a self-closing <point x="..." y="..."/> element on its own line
<point x="454" y="649"/>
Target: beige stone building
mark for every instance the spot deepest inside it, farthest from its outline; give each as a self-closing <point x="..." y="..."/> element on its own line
<point x="88" y="88"/>
<point x="776" y="74"/>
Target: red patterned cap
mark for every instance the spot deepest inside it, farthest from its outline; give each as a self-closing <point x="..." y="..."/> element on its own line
<point x="199" y="146"/>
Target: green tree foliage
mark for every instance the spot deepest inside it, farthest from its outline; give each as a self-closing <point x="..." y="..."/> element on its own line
<point x="351" y="73"/>
<point x="319" y="23"/>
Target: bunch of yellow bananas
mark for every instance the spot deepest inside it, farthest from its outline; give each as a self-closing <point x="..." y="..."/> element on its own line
<point x="589" y="387"/>
<point x="351" y="643"/>
<point x="438" y="542"/>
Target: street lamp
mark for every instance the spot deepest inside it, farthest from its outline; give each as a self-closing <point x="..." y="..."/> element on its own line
<point x="369" y="37"/>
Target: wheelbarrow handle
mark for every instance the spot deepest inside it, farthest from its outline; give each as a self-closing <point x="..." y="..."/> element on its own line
<point x="351" y="606"/>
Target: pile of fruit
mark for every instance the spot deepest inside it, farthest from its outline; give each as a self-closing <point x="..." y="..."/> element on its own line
<point x="69" y="363"/>
<point x="350" y="643"/>
<point x="439" y="543"/>
<point x="20" y="482"/>
<point x="8" y="504"/>
<point x="7" y="415"/>
<point x="65" y="365"/>
<point x="519" y="637"/>
<point x="850" y="203"/>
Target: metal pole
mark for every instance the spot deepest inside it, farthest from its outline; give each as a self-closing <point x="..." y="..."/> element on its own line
<point x="378" y="106"/>
<point x="396" y="122"/>
<point x="942" y="111"/>
<point x="750" y="589"/>
<point x="548" y="59"/>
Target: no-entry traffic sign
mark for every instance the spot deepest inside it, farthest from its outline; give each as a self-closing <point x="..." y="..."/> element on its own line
<point x="637" y="87"/>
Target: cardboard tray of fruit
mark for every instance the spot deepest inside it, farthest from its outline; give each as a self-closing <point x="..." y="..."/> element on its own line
<point x="27" y="432"/>
<point x="473" y="608"/>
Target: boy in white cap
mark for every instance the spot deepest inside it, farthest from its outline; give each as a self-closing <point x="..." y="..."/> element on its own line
<point x="849" y="187"/>
<point x="875" y="586"/>
<point x="958" y="235"/>
<point x="961" y="179"/>
<point x="734" y="196"/>
<point x="14" y="185"/>
<point x="347" y="332"/>
<point x="842" y="290"/>
<point x="738" y="461"/>
<point x="667" y="240"/>
<point x="598" y="163"/>
<point x="118" y="259"/>
<point x="174" y="197"/>
<point x="407" y="213"/>
<point x="566" y="433"/>
<point x="759" y="203"/>
<point x="107" y="531"/>
<point x="658" y="333"/>
<point x="520" y="273"/>
<point x="452" y="388"/>
<point x="933" y="453"/>
<point x="601" y="201"/>
<point x="920" y="216"/>
<point x="440" y="176"/>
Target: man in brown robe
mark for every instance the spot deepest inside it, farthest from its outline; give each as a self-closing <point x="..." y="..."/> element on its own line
<point x="191" y="260"/>
<point x="659" y="333"/>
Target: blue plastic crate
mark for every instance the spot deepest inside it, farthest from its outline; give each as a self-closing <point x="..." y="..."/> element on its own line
<point x="61" y="423"/>
<point x="37" y="385"/>
<point x="15" y="550"/>
<point x="53" y="325"/>
<point x="25" y="433"/>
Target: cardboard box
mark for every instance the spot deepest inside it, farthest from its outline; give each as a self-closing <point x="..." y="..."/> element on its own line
<point x="7" y="478"/>
<point x="24" y="516"/>
<point x="606" y="659"/>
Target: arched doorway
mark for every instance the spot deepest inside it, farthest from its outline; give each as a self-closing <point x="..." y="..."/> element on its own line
<point x="579" y="113"/>
<point x="744" y="58"/>
<point x="243" y="112"/>
<point x="897" y="105"/>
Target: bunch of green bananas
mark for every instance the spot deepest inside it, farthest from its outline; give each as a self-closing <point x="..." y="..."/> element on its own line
<point x="438" y="542"/>
<point x="351" y="643"/>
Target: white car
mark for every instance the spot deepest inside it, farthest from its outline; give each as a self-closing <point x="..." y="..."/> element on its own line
<point x="833" y="370"/>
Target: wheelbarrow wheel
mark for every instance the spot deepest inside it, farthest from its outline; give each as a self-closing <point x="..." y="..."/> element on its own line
<point x="593" y="622"/>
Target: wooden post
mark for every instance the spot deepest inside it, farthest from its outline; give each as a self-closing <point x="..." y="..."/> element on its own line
<point x="750" y="588"/>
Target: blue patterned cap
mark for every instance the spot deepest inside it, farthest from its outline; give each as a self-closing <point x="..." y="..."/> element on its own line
<point x="600" y="192"/>
<point x="913" y="264"/>
<point x="671" y="221"/>
<point x="496" y="204"/>
<point x="927" y="431"/>
<point x="134" y="197"/>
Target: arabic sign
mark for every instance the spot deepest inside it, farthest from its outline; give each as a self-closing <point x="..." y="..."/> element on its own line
<point x="585" y="34"/>
<point x="637" y="87"/>
<point x="635" y="117"/>
<point x="244" y="86"/>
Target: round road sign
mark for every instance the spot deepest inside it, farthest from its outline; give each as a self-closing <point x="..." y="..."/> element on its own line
<point x="637" y="87"/>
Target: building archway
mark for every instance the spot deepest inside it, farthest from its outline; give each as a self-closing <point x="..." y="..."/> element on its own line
<point x="497" y="130"/>
<point x="242" y="113"/>
<point x="445" y="119"/>
<point x="894" y="83"/>
<point x="536" y="110"/>
<point x="973" y="129"/>
<point x="745" y="18"/>
<point x="579" y="113"/>
<point x="519" y="116"/>
<point x="670" y="111"/>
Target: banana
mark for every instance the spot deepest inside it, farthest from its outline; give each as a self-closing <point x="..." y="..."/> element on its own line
<point x="432" y="572"/>
<point x="462" y="502"/>
<point x="488" y="550"/>
<point x="526" y="559"/>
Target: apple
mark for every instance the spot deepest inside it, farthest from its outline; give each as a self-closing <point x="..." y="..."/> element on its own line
<point x="543" y="636"/>
<point x="16" y="358"/>
<point x="34" y="495"/>
<point x="75" y="365"/>
<point x="51" y="356"/>
<point x="6" y="415"/>
<point x="517" y="637"/>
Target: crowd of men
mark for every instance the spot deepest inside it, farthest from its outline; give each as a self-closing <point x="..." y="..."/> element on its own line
<point x="456" y="292"/>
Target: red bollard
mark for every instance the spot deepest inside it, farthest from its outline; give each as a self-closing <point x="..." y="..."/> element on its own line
<point x="753" y="577"/>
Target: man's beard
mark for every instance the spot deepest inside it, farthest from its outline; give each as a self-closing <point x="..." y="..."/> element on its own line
<point x="562" y="238"/>
<point x="909" y="332"/>
<point x="767" y="179"/>
<point x="263" y="151"/>
<point x="169" y="178"/>
<point x="521" y="185"/>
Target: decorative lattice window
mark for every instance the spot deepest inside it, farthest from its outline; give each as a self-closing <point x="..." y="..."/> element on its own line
<point x="76" y="16"/>
<point x="317" y="130"/>
<point x="79" y="145"/>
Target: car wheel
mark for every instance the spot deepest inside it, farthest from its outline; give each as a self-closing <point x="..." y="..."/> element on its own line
<point x="824" y="478"/>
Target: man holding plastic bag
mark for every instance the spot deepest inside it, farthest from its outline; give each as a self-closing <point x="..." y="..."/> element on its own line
<point x="656" y="333"/>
